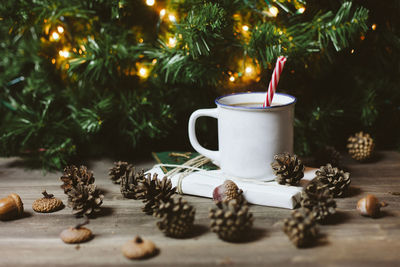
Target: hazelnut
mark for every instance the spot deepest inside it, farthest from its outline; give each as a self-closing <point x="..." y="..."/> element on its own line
<point x="11" y="207"/>
<point x="48" y="203"/>
<point x="138" y="248"/>
<point x="227" y="191"/>
<point x="77" y="234"/>
<point x="370" y="206"/>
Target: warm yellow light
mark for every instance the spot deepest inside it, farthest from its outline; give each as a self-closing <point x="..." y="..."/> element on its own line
<point x="172" y="42"/>
<point x="301" y="10"/>
<point x="172" y="18"/>
<point x="373" y="27"/>
<point x="352" y="51"/>
<point x="55" y="36"/>
<point x="150" y="2"/>
<point x="154" y="61"/>
<point x="60" y="29"/>
<point x="245" y="28"/>
<point x="232" y="78"/>
<point x="141" y="40"/>
<point x="53" y="61"/>
<point x="142" y="72"/>
<point x="248" y="70"/>
<point x="274" y="11"/>
<point x="63" y="53"/>
<point x="162" y="13"/>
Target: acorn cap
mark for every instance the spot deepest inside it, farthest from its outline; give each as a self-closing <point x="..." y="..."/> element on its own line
<point x="227" y="191"/>
<point x="48" y="203"/>
<point x="138" y="248"/>
<point x="77" y="234"/>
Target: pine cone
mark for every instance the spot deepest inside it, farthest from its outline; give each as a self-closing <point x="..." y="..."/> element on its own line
<point x="300" y="228"/>
<point x="72" y="176"/>
<point x="84" y="199"/>
<point x="130" y="183"/>
<point x="153" y="191"/>
<point x="337" y="181"/>
<point x="318" y="200"/>
<point x="360" y="146"/>
<point x="288" y="169"/>
<point x="327" y="154"/>
<point x="177" y="217"/>
<point x="118" y="171"/>
<point x="231" y="220"/>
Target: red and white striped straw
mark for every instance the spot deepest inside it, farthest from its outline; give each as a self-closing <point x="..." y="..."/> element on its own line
<point x="280" y="63"/>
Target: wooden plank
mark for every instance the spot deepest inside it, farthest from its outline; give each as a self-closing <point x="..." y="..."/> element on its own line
<point x="348" y="238"/>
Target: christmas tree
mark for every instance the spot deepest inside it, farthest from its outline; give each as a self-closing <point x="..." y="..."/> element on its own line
<point x="116" y="78"/>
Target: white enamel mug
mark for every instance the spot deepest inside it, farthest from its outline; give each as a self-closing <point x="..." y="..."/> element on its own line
<point x="248" y="135"/>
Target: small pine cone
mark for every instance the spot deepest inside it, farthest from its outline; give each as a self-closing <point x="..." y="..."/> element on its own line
<point x="177" y="217"/>
<point x="130" y="183"/>
<point x="288" y="169"/>
<point x="337" y="181"/>
<point x="231" y="220"/>
<point x="153" y="191"/>
<point x="72" y="176"/>
<point x="300" y="228"/>
<point x="318" y="200"/>
<point x="327" y="154"/>
<point x="360" y="146"/>
<point x="115" y="173"/>
<point x="84" y="199"/>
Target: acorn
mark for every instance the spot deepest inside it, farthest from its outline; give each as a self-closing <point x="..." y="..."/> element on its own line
<point x="77" y="234"/>
<point x="48" y="203"/>
<point x="139" y="248"/>
<point x="227" y="191"/>
<point x="370" y="206"/>
<point x="11" y="207"/>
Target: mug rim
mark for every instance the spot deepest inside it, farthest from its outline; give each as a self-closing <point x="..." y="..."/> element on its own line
<point x="217" y="102"/>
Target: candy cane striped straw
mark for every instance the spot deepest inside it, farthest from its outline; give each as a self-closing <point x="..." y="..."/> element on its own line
<point x="280" y="63"/>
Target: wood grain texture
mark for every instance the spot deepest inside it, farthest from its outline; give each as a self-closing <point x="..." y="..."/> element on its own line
<point x="346" y="240"/>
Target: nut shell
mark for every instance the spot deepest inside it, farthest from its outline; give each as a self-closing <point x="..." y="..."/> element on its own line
<point x="47" y="205"/>
<point x="11" y="207"/>
<point x="138" y="248"/>
<point x="76" y="235"/>
<point x="370" y="206"/>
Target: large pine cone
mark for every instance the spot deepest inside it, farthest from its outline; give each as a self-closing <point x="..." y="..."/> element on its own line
<point x="73" y="176"/>
<point x="318" y="200"/>
<point x="300" y="228"/>
<point x="115" y="173"/>
<point x="177" y="217"/>
<point x="153" y="191"/>
<point x="130" y="183"/>
<point x="288" y="169"/>
<point x="84" y="199"/>
<point x="360" y="146"/>
<point x="337" y="181"/>
<point x="231" y="220"/>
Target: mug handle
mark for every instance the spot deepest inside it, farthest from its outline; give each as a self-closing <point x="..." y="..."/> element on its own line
<point x="211" y="154"/>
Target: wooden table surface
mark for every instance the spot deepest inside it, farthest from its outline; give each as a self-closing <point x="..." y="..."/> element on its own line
<point x="348" y="239"/>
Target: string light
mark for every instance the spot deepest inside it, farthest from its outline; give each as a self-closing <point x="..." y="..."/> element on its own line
<point x="63" y="53"/>
<point x="60" y="29"/>
<point x="143" y="72"/>
<point x="162" y="13"/>
<point x="141" y="40"/>
<point x="53" y="61"/>
<point x="150" y="2"/>
<point x="373" y="27"/>
<point x="232" y="78"/>
<point x="352" y="51"/>
<point x="245" y="28"/>
<point x="249" y="70"/>
<point x="301" y="10"/>
<point x="172" y="18"/>
<point x="55" y="36"/>
<point x="154" y="61"/>
<point x="172" y="42"/>
<point x="273" y="11"/>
